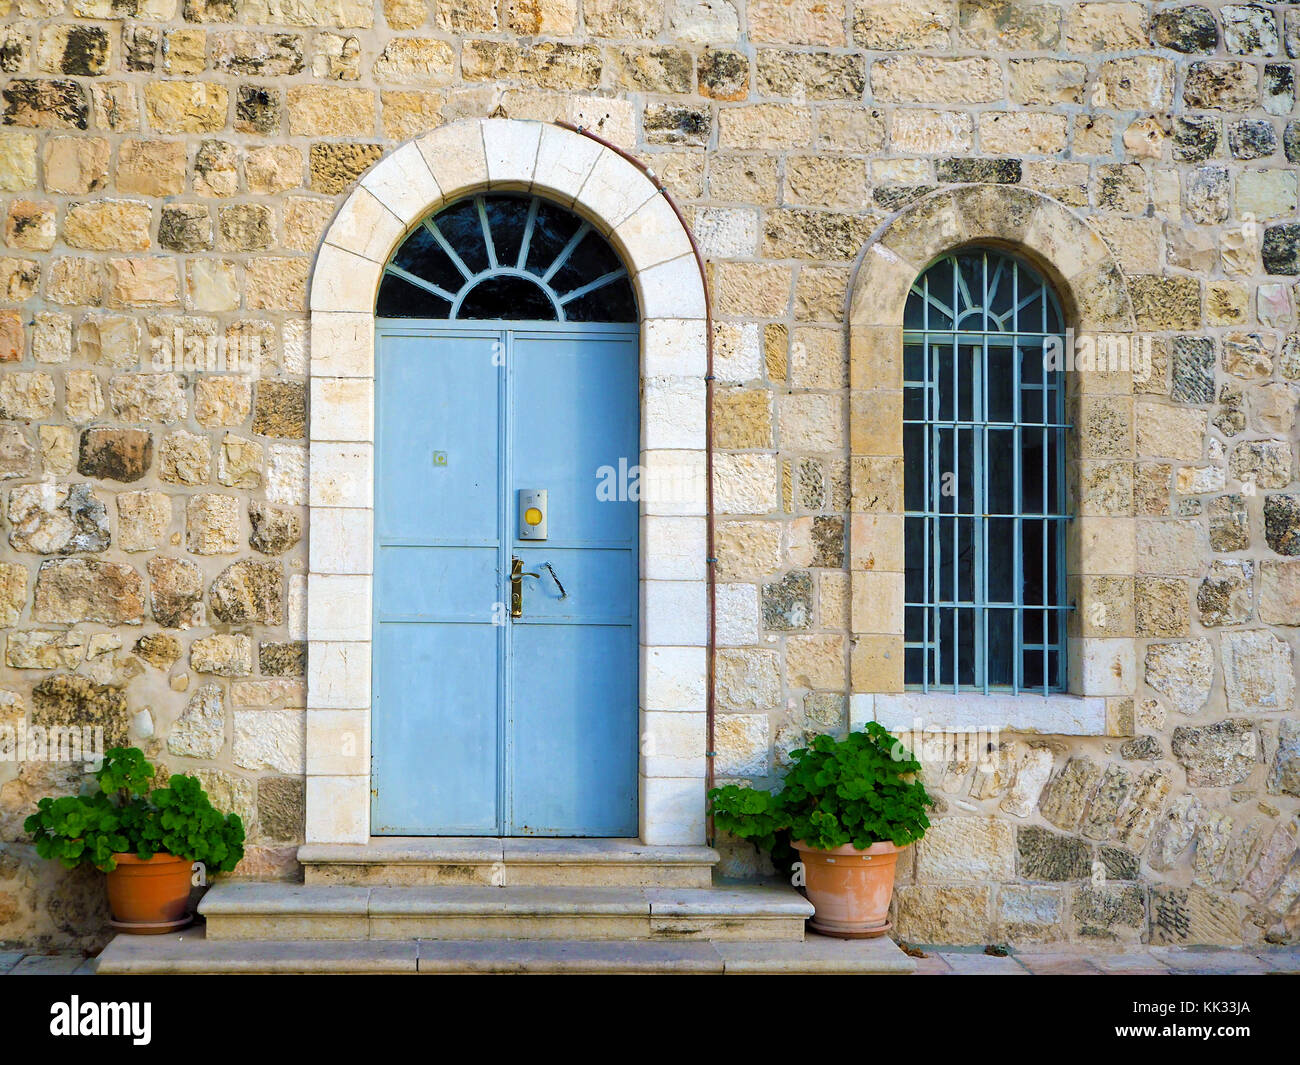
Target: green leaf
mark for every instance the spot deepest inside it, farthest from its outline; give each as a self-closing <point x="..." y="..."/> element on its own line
<point x="124" y="817"/>
<point x="862" y="789"/>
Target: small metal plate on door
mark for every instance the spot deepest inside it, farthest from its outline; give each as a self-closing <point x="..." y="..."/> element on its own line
<point x="532" y="513"/>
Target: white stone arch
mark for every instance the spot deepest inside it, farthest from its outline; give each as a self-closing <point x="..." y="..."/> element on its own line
<point x="626" y="206"/>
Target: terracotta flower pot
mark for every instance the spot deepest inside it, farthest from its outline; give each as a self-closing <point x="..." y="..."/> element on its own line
<point x="850" y="889"/>
<point x="149" y="897"/>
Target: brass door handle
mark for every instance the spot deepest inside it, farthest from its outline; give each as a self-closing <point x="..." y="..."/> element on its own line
<point x="517" y="576"/>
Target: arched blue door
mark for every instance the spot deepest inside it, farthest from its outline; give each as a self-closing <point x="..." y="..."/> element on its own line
<point x="504" y="689"/>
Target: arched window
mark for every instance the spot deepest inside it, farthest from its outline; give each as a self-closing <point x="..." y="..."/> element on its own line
<point x="517" y="258"/>
<point x="984" y="478"/>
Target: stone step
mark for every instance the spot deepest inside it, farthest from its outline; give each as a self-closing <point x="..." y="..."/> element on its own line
<point x="190" y="952"/>
<point x="405" y="861"/>
<point x="277" y="911"/>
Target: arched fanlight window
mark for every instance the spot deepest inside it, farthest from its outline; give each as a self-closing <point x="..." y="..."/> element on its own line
<point x="516" y="258"/>
<point x="984" y="477"/>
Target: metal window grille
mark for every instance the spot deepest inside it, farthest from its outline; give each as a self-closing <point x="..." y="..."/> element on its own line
<point x="984" y="479"/>
<point x="521" y="258"/>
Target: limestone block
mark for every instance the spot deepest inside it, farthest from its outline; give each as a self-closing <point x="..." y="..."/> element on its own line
<point x="200" y="732"/>
<point x="270" y="739"/>
<point x="143" y="519"/>
<point x="185" y="458"/>
<point x="944" y="914"/>
<point x="967" y="849"/>
<point x="74" y="590"/>
<point x="75" y="165"/>
<point x="250" y="591"/>
<point x="175" y="592"/>
<point x="1258" y="673"/>
<point x="212" y="524"/>
<point x="743" y="745"/>
<point x="1217" y="755"/>
<point x="44" y="650"/>
<point x="70" y="700"/>
<point x="227" y="655"/>
<point x="26" y="395"/>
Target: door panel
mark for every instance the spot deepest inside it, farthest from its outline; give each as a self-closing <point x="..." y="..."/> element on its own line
<point x="576" y="409"/>
<point x="482" y="723"/>
<point x="436" y="464"/>
<point x="437" y="552"/>
<point x="572" y="667"/>
<point x="438" y="583"/>
<point x="594" y="580"/>
<point x="573" y="734"/>
<point x="436" y="769"/>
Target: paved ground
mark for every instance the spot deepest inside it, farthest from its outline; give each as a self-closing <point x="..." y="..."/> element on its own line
<point x="1159" y="961"/>
<point x="941" y="961"/>
<point x="17" y="963"/>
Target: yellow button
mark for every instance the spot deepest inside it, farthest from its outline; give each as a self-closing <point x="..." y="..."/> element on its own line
<point x="533" y="516"/>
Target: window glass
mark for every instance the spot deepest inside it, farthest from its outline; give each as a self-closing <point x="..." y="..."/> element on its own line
<point x="398" y="298"/>
<point x="506" y="257"/>
<point x="984" y="485"/>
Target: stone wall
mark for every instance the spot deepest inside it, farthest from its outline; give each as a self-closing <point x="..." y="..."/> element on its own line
<point x="169" y="166"/>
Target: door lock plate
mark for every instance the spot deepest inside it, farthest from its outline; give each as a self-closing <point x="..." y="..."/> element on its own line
<point x="532" y="514"/>
<point x="517" y="576"/>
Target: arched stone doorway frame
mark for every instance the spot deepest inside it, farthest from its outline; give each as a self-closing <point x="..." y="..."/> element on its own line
<point x="417" y="179"/>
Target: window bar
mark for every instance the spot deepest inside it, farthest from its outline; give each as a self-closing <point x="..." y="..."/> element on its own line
<point x="1046" y="523"/>
<point x="934" y="545"/>
<point x="591" y="286"/>
<point x="1051" y="615"/>
<point x="956" y="506"/>
<point x="566" y="251"/>
<point x="926" y="594"/>
<point x="926" y="521"/>
<point x="981" y="526"/>
<point x="488" y="242"/>
<point x="418" y="282"/>
<point x="1017" y="531"/>
<point x="979" y="561"/>
<point x="1062" y="605"/>
<point x="1018" y="504"/>
<point x="529" y="223"/>
<point x="432" y="226"/>
<point x="972" y="604"/>
<point x="934" y="372"/>
<point x="933" y="489"/>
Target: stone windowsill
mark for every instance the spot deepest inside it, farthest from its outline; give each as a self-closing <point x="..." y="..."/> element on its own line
<point x="1050" y="715"/>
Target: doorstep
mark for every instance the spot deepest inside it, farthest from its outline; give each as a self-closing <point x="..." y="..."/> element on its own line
<point x="190" y="952"/>
<point x="252" y="910"/>
<point x="395" y="861"/>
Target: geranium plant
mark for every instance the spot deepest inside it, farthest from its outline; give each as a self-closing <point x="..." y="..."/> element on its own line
<point x="863" y="789"/>
<point x="124" y="816"/>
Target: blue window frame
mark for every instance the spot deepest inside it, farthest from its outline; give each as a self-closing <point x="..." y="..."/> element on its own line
<point x="503" y="257"/>
<point x="984" y="478"/>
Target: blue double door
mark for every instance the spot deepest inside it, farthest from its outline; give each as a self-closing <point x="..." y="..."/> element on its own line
<point x="504" y="687"/>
